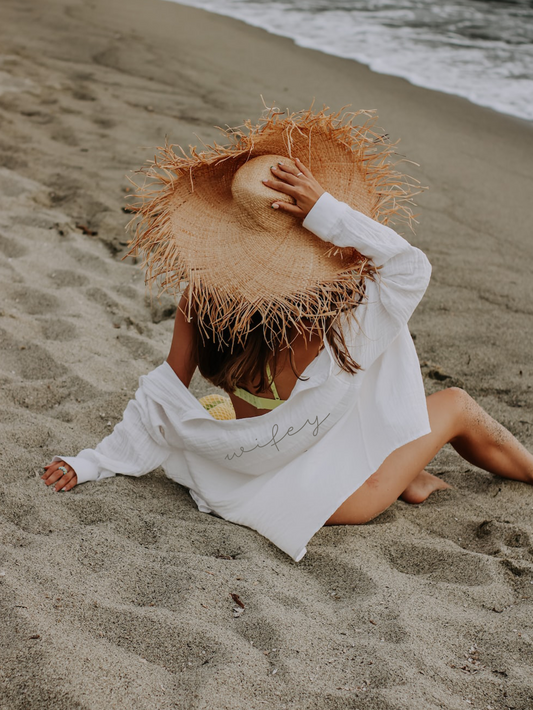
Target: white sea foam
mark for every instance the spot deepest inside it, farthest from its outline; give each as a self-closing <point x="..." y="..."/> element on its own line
<point x="479" y="49"/>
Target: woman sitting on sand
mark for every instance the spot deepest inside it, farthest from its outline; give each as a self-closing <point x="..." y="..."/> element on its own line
<point x="297" y="305"/>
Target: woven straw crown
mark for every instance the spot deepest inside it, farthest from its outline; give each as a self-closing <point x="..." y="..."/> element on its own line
<point x="206" y="219"/>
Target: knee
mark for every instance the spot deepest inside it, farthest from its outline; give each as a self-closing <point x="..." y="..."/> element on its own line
<point x="452" y="396"/>
<point x="457" y="398"/>
<point x="452" y="407"/>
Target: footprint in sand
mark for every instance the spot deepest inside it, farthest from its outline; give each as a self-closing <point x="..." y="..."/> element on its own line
<point x="178" y="647"/>
<point x="139" y="349"/>
<point x="490" y="537"/>
<point x="341" y="581"/>
<point x="63" y="189"/>
<point x="61" y="278"/>
<point x="89" y="262"/>
<point x="45" y="396"/>
<point x="58" y="329"/>
<point x="34" y="302"/>
<point x="264" y="639"/>
<point x="82" y="94"/>
<point x="65" y="135"/>
<point x="261" y="632"/>
<point x="149" y="584"/>
<point x="161" y="308"/>
<point x="28" y="360"/>
<point x="127" y="291"/>
<point x="30" y="516"/>
<point x="139" y="529"/>
<point x="103" y="121"/>
<point x="41" y="118"/>
<point x="100" y="296"/>
<point x="451" y="567"/>
<point x="142" y="530"/>
<point x="92" y="511"/>
<point x="10" y="160"/>
<point x="493" y="533"/>
<point x="119" y="316"/>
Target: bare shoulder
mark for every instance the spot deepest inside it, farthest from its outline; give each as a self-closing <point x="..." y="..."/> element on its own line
<point x="182" y="358"/>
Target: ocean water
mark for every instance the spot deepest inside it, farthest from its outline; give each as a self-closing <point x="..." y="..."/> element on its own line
<point x="479" y="49"/>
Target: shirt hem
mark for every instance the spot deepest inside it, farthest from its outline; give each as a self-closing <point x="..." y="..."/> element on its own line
<point x="303" y="550"/>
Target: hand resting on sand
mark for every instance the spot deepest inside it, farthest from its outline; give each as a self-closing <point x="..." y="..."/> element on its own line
<point x="299" y="184"/>
<point x="53" y="474"/>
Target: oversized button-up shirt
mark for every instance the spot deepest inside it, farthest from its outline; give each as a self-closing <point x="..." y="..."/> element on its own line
<point x="285" y="473"/>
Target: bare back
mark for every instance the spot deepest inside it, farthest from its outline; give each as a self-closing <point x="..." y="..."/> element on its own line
<point x="181" y="360"/>
<point x="305" y="351"/>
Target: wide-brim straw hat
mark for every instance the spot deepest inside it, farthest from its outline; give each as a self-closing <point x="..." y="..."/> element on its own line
<point x="205" y="219"/>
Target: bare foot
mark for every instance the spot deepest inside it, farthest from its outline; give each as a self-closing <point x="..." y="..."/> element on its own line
<point x="422" y="487"/>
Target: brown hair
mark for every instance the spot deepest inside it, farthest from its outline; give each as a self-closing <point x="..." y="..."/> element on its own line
<point x="228" y="363"/>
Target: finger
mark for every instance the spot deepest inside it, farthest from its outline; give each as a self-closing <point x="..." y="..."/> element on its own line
<point x="287" y="207"/>
<point x="284" y="175"/>
<point x="70" y="485"/>
<point x="280" y="186"/>
<point x="301" y="167"/>
<point x="63" y="481"/>
<point x="55" y="476"/>
<point x="51" y="470"/>
<point x="288" y="169"/>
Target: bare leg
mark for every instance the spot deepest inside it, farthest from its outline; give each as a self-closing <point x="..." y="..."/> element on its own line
<point x="456" y="419"/>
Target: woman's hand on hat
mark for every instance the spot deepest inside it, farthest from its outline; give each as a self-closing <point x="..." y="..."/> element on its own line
<point x="61" y="474"/>
<point x="297" y="182"/>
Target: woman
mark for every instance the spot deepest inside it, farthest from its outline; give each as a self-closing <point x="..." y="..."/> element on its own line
<point x="331" y="422"/>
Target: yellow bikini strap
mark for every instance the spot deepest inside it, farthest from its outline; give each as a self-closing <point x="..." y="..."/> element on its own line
<point x="272" y="385"/>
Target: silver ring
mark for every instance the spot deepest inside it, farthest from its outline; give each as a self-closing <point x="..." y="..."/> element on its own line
<point x="298" y="174"/>
<point x="64" y="469"/>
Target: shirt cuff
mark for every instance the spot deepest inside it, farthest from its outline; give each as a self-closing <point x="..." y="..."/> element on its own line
<point x="324" y="215"/>
<point x="85" y="470"/>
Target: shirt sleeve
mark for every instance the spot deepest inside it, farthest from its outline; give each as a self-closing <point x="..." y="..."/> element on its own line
<point x="394" y="293"/>
<point x="138" y="444"/>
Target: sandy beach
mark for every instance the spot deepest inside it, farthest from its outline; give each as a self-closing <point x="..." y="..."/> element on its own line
<point x="118" y="594"/>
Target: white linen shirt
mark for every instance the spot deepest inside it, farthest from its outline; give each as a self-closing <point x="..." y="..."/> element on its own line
<point x="285" y="473"/>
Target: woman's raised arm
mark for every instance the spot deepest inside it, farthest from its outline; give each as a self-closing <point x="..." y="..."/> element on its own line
<point x="404" y="270"/>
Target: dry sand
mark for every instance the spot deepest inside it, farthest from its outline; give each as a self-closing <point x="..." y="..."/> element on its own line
<point x="117" y="595"/>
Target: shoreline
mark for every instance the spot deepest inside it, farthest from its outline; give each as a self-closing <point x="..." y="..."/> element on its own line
<point x="527" y="122"/>
<point x="118" y="594"/>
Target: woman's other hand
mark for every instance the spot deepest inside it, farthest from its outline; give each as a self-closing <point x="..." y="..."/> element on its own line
<point x="299" y="184"/>
<point x="55" y="473"/>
